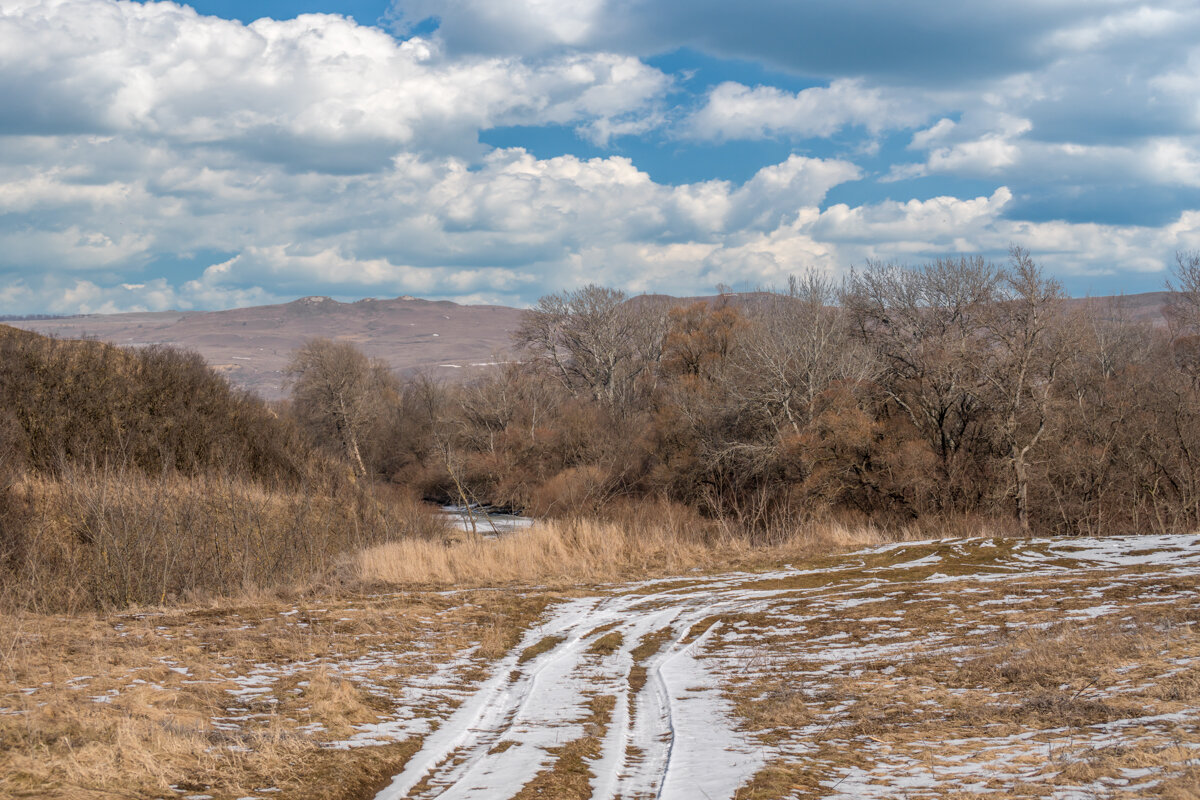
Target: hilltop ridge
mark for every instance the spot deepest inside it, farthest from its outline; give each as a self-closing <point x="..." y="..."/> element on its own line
<point x="251" y="346"/>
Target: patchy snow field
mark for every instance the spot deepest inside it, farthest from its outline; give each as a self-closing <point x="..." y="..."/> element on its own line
<point x="1064" y="668"/>
<point x="919" y="669"/>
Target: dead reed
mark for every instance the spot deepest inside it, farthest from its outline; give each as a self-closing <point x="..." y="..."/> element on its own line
<point x="97" y="538"/>
<point x="587" y="551"/>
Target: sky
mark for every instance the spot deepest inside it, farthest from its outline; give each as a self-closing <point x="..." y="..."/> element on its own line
<point x="162" y="156"/>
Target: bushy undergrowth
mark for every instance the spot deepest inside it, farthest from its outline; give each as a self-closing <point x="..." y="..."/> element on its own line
<point x="906" y="396"/>
<point x="65" y="404"/>
<point x="142" y="477"/>
<point x="97" y="538"/>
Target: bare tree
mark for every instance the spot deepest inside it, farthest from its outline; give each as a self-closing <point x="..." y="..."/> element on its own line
<point x="595" y="341"/>
<point x="1183" y="301"/>
<point x="926" y="326"/>
<point x="340" y="394"/>
<point x="797" y="347"/>
<point x="745" y="386"/>
<point x="1027" y="345"/>
<point x="1182" y="311"/>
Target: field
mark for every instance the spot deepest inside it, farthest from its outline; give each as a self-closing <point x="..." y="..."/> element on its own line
<point x="1018" y="667"/>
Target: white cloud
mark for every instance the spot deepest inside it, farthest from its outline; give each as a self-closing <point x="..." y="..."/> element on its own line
<point x="432" y="226"/>
<point x="72" y="247"/>
<point x="908" y="232"/>
<point x="983" y="144"/>
<point x="1140" y="22"/>
<point x="777" y="192"/>
<point x="290" y="90"/>
<point x="1007" y="148"/>
<point x="735" y="111"/>
<point x="912" y="225"/>
<point x="314" y="155"/>
<point x="520" y="226"/>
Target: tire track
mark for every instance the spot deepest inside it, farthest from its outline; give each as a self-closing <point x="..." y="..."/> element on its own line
<point x="537" y="705"/>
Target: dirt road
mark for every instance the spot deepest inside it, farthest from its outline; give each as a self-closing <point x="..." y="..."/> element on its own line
<point x="651" y="689"/>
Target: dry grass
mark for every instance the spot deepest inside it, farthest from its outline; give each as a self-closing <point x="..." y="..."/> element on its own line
<point x="130" y="704"/>
<point x="649" y="644"/>
<point x="607" y="644"/>
<point x="987" y="686"/>
<point x="93" y="538"/>
<point x="95" y="704"/>
<point x="136" y="702"/>
<point x="544" y="646"/>
<point x="586" y="551"/>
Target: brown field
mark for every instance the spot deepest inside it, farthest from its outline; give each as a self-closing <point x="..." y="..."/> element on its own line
<point x="1019" y="667"/>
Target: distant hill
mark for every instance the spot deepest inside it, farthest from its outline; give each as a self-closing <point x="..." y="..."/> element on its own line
<point x="251" y="346"/>
<point x="1146" y="308"/>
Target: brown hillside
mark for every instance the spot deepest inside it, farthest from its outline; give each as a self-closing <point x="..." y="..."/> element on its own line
<point x="252" y="345"/>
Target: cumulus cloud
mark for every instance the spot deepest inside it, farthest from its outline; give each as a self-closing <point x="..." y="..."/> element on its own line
<point x="504" y="227"/>
<point x="1006" y="145"/>
<point x="317" y="156"/>
<point x="735" y="111"/>
<point x="517" y="226"/>
<point x="1075" y="71"/>
<point x="317" y="92"/>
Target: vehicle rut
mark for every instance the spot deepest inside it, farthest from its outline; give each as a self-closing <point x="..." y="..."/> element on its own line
<point x="532" y="707"/>
<point x="670" y="733"/>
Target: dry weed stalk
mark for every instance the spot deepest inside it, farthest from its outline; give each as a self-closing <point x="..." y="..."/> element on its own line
<point x="576" y="551"/>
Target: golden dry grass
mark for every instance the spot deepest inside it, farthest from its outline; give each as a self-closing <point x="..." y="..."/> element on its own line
<point x="586" y="551"/>
<point x="96" y="705"/>
<point x="101" y="702"/>
<point x="94" y="538"/>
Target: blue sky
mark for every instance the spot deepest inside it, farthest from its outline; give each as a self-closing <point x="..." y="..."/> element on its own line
<point x="158" y="155"/>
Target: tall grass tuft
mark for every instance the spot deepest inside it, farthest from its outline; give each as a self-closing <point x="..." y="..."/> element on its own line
<point x="588" y="550"/>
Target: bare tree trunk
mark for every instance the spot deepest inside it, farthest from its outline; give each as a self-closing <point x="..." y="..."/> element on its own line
<point x="350" y="439"/>
<point x="1021" y="474"/>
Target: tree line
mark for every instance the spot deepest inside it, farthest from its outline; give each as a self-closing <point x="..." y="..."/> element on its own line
<point x="958" y="391"/>
<point x="958" y="388"/>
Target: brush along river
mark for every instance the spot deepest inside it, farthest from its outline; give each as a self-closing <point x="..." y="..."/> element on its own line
<point x="911" y="670"/>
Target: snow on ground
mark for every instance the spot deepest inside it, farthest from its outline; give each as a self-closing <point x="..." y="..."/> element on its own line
<point x="844" y="674"/>
<point x="688" y="647"/>
<point x="487" y="522"/>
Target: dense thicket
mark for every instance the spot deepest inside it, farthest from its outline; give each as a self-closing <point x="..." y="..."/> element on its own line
<point x="955" y="389"/>
<point x="137" y="476"/>
<point x="158" y="409"/>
